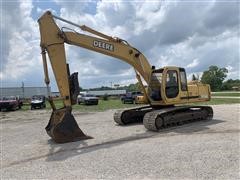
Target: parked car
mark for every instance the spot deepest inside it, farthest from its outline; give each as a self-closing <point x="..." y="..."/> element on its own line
<point x="128" y="98"/>
<point x="87" y="99"/>
<point x="10" y="103"/>
<point x="131" y="97"/>
<point x="38" y="101"/>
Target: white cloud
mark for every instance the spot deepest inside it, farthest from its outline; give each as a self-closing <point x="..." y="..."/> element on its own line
<point x="23" y="44"/>
<point x="196" y="74"/>
<point x="41" y="11"/>
<point x="193" y="35"/>
<point x="229" y="68"/>
<point x="193" y="64"/>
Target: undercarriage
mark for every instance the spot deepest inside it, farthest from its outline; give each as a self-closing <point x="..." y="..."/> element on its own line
<point x="156" y="118"/>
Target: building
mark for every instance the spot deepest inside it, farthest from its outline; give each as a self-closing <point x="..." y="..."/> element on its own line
<point x="28" y="92"/>
<point x="24" y="92"/>
<point x="106" y="92"/>
<point x="55" y="94"/>
<point x="236" y="88"/>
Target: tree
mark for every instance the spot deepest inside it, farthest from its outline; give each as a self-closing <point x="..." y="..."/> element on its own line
<point x="133" y="87"/>
<point x="214" y="76"/>
<point x="230" y="83"/>
<point x="194" y="78"/>
<point x="102" y="88"/>
<point x="80" y="88"/>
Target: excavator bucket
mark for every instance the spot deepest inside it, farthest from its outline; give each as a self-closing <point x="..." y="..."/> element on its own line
<point x="62" y="127"/>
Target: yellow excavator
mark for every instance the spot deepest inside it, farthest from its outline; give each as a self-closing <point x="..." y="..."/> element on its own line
<point x="167" y="87"/>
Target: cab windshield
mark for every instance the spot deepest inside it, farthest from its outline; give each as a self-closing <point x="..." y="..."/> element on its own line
<point x="157" y="77"/>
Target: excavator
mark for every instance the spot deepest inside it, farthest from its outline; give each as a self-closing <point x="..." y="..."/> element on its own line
<point x="167" y="94"/>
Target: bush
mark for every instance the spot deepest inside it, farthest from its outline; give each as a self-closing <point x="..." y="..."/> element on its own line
<point x="105" y="97"/>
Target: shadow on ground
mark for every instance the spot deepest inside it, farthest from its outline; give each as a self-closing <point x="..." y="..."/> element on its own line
<point x="59" y="152"/>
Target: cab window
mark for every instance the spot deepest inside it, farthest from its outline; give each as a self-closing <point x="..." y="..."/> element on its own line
<point x="183" y="80"/>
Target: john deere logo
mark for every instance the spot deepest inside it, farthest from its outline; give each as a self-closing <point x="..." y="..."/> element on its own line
<point x="103" y="45"/>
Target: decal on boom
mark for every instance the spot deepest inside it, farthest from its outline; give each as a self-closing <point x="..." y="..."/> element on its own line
<point x="103" y="45"/>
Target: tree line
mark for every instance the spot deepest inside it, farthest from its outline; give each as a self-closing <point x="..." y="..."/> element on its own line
<point x="128" y="88"/>
<point x="214" y="76"/>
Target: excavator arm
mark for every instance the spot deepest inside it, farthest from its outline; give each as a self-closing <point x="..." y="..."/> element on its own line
<point x="62" y="126"/>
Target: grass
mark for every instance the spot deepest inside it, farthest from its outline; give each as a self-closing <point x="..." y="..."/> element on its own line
<point x="102" y="106"/>
<point x="226" y="94"/>
<point x="220" y="101"/>
<point x="117" y="104"/>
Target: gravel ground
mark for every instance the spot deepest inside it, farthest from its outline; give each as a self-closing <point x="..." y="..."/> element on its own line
<point x="202" y="150"/>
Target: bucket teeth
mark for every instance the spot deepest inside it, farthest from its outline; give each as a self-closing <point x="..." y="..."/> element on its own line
<point x="62" y="127"/>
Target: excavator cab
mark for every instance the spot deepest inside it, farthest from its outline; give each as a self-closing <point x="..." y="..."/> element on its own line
<point x="167" y="85"/>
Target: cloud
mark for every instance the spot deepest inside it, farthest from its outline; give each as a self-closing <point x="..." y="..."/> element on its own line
<point x="190" y="34"/>
<point x="40" y="11"/>
<point x="21" y="52"/>
<point x="193" y="64"/>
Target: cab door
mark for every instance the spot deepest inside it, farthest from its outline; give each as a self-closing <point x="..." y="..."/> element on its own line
<point x="183" y="85"/>
<point x="171" y="85"/>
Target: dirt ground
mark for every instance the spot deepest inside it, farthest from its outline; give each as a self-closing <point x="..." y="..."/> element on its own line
<point x="207" y="149"/>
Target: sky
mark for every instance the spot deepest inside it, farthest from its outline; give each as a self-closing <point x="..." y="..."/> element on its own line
<point x="189" y="33"/>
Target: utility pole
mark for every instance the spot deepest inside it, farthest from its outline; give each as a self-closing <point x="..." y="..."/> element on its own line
<point x="23" y="89"/>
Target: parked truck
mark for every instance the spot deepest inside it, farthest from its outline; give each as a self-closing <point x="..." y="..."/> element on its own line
<point x="10" y="103"/>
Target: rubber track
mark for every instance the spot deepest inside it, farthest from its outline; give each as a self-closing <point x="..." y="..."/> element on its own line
<point x="149" y="120"/>
<point x="118" y="115"/>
